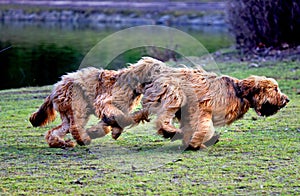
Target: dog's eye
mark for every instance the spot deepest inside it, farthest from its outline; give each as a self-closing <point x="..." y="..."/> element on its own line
<point x="276" y="89"/>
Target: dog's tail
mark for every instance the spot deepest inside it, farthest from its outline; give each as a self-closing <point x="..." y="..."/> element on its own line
<point x="44" y="115"/>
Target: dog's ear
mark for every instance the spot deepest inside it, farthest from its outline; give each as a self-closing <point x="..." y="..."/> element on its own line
<point x="249" y="86"/>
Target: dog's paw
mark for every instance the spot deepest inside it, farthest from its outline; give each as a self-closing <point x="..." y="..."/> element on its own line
<point x="116" y="132"/>
<point x="141" y="116"/>
<point x="176" y="135"/>
<point x="69" y="144"/>
<point x="167" y="134"/>
<point x="195" y="148"/>
<point x="84" y="142"/>
<point x="215" y="139"/>
<point x="56" y="142"/>
<point x="191" y="148"/>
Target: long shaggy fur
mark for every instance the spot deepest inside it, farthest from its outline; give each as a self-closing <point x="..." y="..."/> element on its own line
<point x="44" y="115"/>
<point x="76" y="97"/>
<point x="200" y="100"/>
<point x="126" y="94"/>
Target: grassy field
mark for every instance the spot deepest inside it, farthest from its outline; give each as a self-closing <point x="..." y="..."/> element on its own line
<point x="256" y="155"/>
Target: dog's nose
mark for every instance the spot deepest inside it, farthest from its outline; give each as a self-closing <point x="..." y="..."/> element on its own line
<point x="287" y="100"/>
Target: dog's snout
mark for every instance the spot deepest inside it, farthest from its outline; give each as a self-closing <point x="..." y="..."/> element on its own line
<point x="284" y="98"/>
<point x="287" y="100"/>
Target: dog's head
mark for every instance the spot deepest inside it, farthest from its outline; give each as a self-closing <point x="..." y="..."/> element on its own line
<point x="263" y="94"/>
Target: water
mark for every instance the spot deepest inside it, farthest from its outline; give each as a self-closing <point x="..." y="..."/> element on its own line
<point x="36" y="54"/>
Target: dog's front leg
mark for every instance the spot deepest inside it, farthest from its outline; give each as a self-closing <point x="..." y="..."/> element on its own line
<point x="80" y="135"/>
<point x="120" y="121"/>
<point x="164" y="123"/>
<point x="204" y="131"/>
<point x="99" y="130"/>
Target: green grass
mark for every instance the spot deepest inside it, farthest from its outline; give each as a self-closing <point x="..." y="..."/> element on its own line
<point x="256" y="156"/>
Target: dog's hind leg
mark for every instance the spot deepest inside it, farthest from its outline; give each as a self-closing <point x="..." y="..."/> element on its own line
<point x="79" y="115"/>
<point x="55" y="136"/>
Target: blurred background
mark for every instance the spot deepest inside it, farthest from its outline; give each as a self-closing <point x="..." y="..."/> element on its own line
<point x="42" y="40"/>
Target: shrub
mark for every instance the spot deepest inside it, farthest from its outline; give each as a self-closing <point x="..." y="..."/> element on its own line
<point x="264" y="23"/>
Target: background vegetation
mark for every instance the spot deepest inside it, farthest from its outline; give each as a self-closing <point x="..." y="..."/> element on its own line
<point x="268" y="23"/>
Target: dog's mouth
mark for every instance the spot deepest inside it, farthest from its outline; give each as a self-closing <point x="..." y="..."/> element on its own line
<point x="268" y="109"/>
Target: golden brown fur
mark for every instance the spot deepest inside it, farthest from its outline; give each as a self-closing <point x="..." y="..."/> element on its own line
<point x="76" y="97"/>
<point x="125" y="95"/>
<point x="200" y="100"/>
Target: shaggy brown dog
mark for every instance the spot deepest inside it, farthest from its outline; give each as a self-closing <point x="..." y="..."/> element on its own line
<point x="200" y="100"/>
<point x="76" y="97"/>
